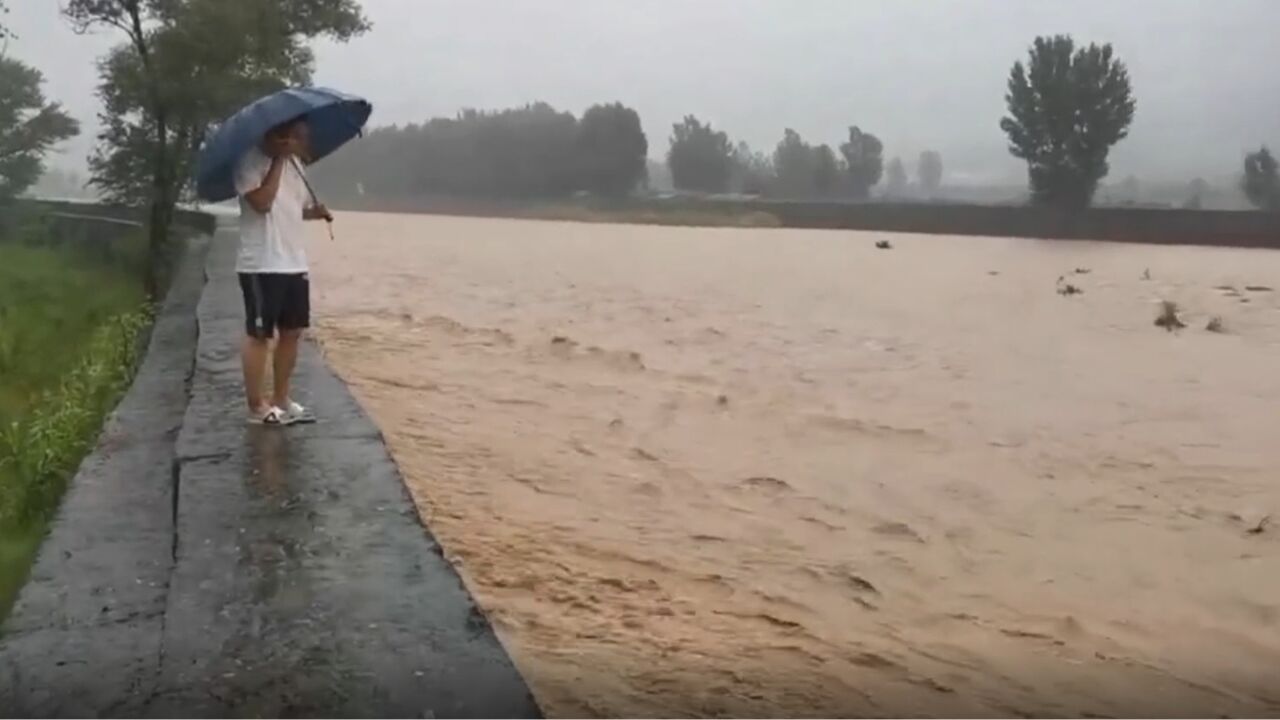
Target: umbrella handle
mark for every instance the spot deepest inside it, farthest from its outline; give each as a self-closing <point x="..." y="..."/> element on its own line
<point x="311" y="191"/>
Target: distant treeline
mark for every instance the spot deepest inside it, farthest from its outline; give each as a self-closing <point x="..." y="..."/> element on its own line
<point x="538" y="151"/>
<point x="530" y="152"/>
<point x="1067" y="105"/>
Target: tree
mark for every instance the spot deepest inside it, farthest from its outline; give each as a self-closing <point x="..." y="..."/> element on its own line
<point x="1067" y="108"/>
<point x="895" y="183"/>
<point x="863" y="161"/>
<point x="929" y="171"/>
<point x="1261" y="182"/>
<point x="700" y="157"/>
<point x="187" y="64"/>
<point x="826" y="169"/>
<point x="29" y="127"/>
<point x="793" y="166"/>
<point x="5" y="33"/>
<point x="752" y="172"/>
<point x="528" y="152"/>
<point x="612" y="149"/>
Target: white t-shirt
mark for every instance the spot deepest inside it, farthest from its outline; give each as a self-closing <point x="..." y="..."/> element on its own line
<point x="271" y="242"/>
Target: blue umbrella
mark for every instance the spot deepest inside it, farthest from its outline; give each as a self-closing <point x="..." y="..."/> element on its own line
<point x="333" y="118"/>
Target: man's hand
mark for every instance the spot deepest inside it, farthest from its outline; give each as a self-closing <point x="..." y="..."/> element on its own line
<point x="317" y="212"/>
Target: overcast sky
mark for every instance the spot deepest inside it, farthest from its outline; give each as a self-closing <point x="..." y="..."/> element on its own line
<point x="918" y="73"/>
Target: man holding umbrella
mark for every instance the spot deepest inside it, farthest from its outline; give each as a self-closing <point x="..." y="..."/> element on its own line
<point x="257" y="155"/>
<point x="272" y="265"/>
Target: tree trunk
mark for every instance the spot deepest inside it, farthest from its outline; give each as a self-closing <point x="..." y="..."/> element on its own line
<point x="161" y="183"/>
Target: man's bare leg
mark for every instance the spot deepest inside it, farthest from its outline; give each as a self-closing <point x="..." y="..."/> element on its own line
<point x="253" y="358"/>
<point x="284" y="360"/>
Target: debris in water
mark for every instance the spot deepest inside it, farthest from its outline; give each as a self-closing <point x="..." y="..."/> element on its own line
<point x="884" y="245"/>
<point x="1258" y="288"/>
<point x="1215" y="325"/>
<point x="1066" y="288"/>
<point x="1146" y="274"/>
<point x="1260" y="527"/>
<point x="1168" y="317"/>
<point x="1083" y="271"/>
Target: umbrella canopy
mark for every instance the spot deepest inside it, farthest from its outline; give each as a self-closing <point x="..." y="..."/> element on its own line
<point x="333" y="118"/>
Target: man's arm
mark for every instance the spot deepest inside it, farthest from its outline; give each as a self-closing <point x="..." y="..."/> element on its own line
<point x="264" y="196"/>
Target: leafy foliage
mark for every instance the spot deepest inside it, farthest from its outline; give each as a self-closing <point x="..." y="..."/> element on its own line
<point x="700" y="157"/>
<point x="864" y="161"/>
<point x="1067" y="108"/>
<point x="1261" y="181"/>
<point x="794" y="165"/>
<point x="611" y="149"/>
<point x="29" y="127"/>
<point x="929" y="171"/>
<point x="801" y="170"/>
<point x="204" y="60"/>
<point x="523" y="153"/>
<point x="752" y="172"/>
<point x="186" y="65"/>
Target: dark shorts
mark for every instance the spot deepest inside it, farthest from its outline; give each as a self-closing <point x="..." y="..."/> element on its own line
<point x="275" y="301"/>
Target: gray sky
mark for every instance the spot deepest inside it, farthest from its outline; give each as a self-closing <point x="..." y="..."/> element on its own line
<point x="918" y="73"/>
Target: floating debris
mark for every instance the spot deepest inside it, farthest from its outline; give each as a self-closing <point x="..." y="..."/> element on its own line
<point x="1260" y="527"/>
<point x="1066" y="288"/>
<point x="1146" y="274"/>
<point x="1168" y="316"/>
<point x="1083" y="271"/>
<point x="1216" y="325"/>
<point x="884" y="245"/>
<point x="1258" y="288"/>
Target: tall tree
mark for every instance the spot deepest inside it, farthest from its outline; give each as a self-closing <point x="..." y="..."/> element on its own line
<point x="5" y="33"/>
<point x="612" y="149"/>
<point x="700" y="157"/>
<point x="864" y="161"/>
<point x="826" y="170"/>
<point x="1261" y="181"/>
<point x="752" y="171"/>
<point x="895" y="178"/>
<point x="29" y="127"/>
<point x="794" y="166"/>
<point x="1067" y="108"/>
<point x="187" y="64"/>
<point x="929" y="171"/>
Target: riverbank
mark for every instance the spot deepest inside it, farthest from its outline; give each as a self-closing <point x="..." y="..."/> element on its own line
<point x="776" y="473"/>
<point x="66" y="356"/>
<point x="203" y="567"/>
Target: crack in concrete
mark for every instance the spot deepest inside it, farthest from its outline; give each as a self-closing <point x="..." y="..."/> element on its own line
<point x="175" y="480"/>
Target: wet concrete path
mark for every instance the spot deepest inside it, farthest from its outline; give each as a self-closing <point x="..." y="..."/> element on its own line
<point x="203" y="567"/>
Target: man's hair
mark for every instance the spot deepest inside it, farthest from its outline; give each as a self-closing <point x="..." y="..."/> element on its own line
<point x="286" y="127"/>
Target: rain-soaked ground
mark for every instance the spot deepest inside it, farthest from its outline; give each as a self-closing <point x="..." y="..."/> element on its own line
<point x="200" y="566"/>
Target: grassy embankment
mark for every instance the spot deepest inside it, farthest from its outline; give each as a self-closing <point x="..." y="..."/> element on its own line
<point x="70" y="330"/>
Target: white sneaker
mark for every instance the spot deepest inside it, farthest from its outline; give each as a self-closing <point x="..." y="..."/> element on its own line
<point x="298" y="414"/>
<point x="271" y="416"/>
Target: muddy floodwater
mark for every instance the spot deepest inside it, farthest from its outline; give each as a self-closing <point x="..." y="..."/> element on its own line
<point x="777" y="472"/>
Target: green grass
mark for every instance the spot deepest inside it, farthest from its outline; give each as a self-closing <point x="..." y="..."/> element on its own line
<point x="69" y="340"/>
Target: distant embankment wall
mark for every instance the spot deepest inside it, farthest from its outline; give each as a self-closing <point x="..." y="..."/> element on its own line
<point x="1135" y="225"/>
